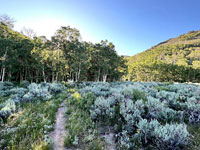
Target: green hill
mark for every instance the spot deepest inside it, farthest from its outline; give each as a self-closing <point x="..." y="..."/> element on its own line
<point x="177" y="59"/>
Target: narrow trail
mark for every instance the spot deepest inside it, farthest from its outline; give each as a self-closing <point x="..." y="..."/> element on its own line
<point x="110" y="141"/>
<point x="108" y="134"/>
<point x="59" y="132"/>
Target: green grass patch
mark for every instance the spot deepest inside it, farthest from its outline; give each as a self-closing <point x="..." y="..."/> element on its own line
<point x="161" y="88"/>
<point x="28" y="128"/>
<point x="194" y="130"/>
<point x="81" y="130"/>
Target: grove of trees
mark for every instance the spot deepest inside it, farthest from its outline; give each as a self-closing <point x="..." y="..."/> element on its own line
<point x="65" y="57"/>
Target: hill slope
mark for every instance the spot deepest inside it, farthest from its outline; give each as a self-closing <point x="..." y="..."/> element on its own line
<point x="177" y="59"/>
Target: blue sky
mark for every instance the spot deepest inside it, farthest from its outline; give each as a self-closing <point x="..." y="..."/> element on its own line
<point x="132" y="25"/>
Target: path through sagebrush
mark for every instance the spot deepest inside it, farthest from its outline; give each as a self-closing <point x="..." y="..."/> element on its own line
<point x="59" y="132"/>
<point x="108" y="135"/>
<point x="58" y="135"/>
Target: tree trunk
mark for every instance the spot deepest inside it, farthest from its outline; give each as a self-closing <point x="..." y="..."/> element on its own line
<point x="52" y="76"/>
<point x="105" y="77"/>
<point x="44" y="77"/>
<point x="9" y="75"/>
<point x="76" y="77"/>
<point x="4" y="68"/>
<point x="36" y="77"/>
<point x="72" y="77"/>
<point x="56" y="76"/>
<point x="3" y="75"/>
<point x="79" y="71"/>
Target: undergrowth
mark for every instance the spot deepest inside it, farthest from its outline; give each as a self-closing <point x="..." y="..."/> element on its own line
<point x="28" y="128"/>
<point x="81" y="130"/>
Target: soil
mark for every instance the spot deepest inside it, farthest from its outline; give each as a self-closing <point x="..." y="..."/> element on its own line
<point x="109" y="136"/>
<point x="59" y="132"/>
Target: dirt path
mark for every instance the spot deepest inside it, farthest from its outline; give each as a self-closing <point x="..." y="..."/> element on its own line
<point x="110" y="141"/>
<point x="59" y="130"/>
<point x="108" y="134"/>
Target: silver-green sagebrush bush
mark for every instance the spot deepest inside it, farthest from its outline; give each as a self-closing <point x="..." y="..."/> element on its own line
<point x="103" y="107"/>
<point x="32" y="92"/>
<point x="160" y="111"/>
<point x="147" y="115"/>
<point x="37" y="91"/>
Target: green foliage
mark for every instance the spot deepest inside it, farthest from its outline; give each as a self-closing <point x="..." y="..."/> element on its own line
<point x="195" y="131"/>
<point x="24" y="84"/>
<point x="161" y="88"/>
<point x="82" y="131"/>
<point x="31" y="125"/>
<point x="96" y="145"/>
<point x="87" y="101"/>
<point x="137" y="95"/>
<point x="63" y="58"/>
<point x="174" y="60"/>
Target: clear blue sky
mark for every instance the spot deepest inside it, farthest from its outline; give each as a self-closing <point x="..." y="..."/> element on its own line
<point x="132" y="25"/>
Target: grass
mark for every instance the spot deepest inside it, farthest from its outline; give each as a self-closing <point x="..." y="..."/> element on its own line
<point x="161" y="88"/>
<point x="82" y="131"/>
<point x="194" y="130"/>
<point x="97" y="144"/>
<point x="29" y="127"/>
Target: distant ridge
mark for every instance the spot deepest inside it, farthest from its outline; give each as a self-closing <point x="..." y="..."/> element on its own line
<point x="125" y="56"/>
<point x="183" y="50"/>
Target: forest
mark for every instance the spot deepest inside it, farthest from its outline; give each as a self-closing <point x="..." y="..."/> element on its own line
<point x="65" y="57"/>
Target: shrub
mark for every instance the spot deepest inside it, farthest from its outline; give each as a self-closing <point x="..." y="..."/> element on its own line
<point x="192" y="116"/>
<point x="144" y="115"/>
<point x="161" y="111"/>
<point x="168" y="137"/>
<point x="172" y="136"/>
<point x="18" y="91"/>
<point x="9" y="108"/>
<point x="145" y="135"/>
<point x="55" y="88"/>
<point x="24" y="84"/>
<point x="137" y="95"/>
<point x="103" y="108"/>
<point x="131" y="113"/>
<point x="37" y="91"/>
<point x="87" y="101"/>
<point x="7" y="84"/>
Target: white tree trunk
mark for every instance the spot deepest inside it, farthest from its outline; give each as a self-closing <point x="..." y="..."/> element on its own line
<point x="72" y="77"/>
<point x="44" y="77"/>
<point x="104" y="77"/>
<point x="76" y="77"/>
<point x="79" y="71"/>
<point x="3" y="75"/>
<point x="56" y="76"/>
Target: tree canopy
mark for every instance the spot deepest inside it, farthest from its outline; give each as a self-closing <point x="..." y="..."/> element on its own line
<point x="24" y="56"/>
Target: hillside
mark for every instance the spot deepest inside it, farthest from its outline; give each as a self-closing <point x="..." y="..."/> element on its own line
<point x="176" y="59"/>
